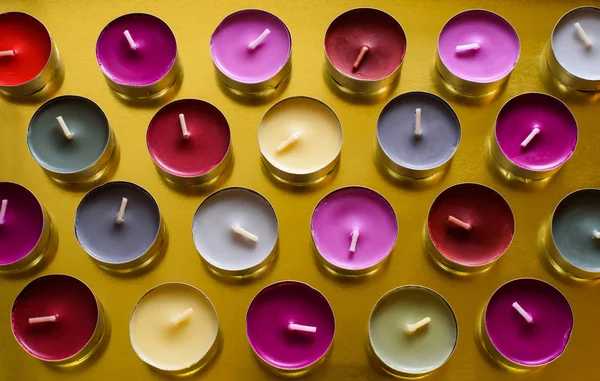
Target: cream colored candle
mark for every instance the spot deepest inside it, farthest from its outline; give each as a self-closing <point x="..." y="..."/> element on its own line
<point x="300" y="139"/>
<point x="174" y="328"/>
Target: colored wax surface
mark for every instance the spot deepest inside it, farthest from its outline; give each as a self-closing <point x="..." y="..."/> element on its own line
<point x="67" y="298"/>
<point x="348" y="209"/>
<point x="491" y="219"/>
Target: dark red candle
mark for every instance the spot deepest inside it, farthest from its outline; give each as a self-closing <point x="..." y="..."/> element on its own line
<point x="76" y="311"/>
<point x="470" y="226"/>
<point x="198" y="154"/>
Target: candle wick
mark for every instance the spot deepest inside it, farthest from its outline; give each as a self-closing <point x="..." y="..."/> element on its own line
<point x="583" y="36"/>
<point x="530" y="137"/>
<point x="184" y="129"/>
<point x="7" y="53"/>
<point x="291" y="140"/>
<point x="361" y="55"/>
<point x="418" y="123"/>
<point x="259" y="39"/>
<point x="121" y="214"/>
<point x="3" y="211"/>
<point x="467" y="48"/>
<point x="301" y="328"/>
<point x="412" y="328"/>
<point x="181" y="317"/>
<point x="244" y="233"/>
<point x="459" y="223"/>
<point x="43" y="319"/>
<point x="61" y="122"/>
<point x="132" y="44"/>
<point x="355" y="234"/>
<point x="522" y="312"/>
<point x="596" y="234"/>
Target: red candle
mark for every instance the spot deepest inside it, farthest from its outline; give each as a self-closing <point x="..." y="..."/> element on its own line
<point x="470" y="227"/>
<point x="189" y="141"/>
<point x="72" y="306"/>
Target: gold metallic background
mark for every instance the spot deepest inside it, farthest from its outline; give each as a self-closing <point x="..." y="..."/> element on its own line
<point x="75" y="25"/>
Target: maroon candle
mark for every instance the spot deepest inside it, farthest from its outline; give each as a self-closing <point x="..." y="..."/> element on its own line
<point x="189" y="141"/>
<point x="57" y="318"/>
<point x="470" y="226"/>
<point x="364" y="48"/>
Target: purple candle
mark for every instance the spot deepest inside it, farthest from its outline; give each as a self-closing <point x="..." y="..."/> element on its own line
<point x="354" y="230"/>
<point x="290" y="326"/>
<point x="251" y="50"/>
<point x="477" y="50"/>
<point x="528" y="323"/>
<point x="137" y="53"/>
<point x="535" y="135"/>
<point x="24" y="228"/>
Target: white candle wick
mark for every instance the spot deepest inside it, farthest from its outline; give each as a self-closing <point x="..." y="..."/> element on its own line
<point x="130" y="41"/>
<point x="412" y="328"/>
<point x="181" y="317"/>
<point x="302" y="328"/>
<point x="291" y="140"/>
<point x="418" y="122"/>
<point x="7" y="53"/>
<point x="459" y="223"/>
<point x="121" y="213"/>
<point x="244" y="233"/>
<point x="596" y="233"/>
<point x="522" y="312"/>
<point x="68" y="134"/>
<point x="467" y="47"/>
<point x="361" y="55"/>
<point x="355" y="234"/>
<point x="584" y="37"/>
<point x="530" y="137"/>
<point x="259" y="39"/>
<point x="3" y="211"/>
<point x="43" y="319"/>
<point x="184" y="130"/>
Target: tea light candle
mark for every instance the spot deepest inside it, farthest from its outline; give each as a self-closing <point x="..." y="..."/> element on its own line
<point x="137" y="54"/>
<point x="56" y="318"/>
<point x="316" y="149"/>
<point x="189" y="141"/>
<point x="520" y="342"/>
<point x="574" y="50"/>
<point x="251" y="50"/>
<point x="573" y="233"/>
<point x="24" y="228"/>
<point x="70" y="138"/>
<point x="174" y="328"/>
<point x="534" y="136"/>
<point x="28" y="57"/>
<point x="290" y="327"/>
<point x="469" y="227"/>
<point x="354" y="230"/>
<point x="412" y="331"/>
<point x="477" y="51"/>
<point x="119" y="225"/>
<point x="417" y="134"/>
<point x="364" y="49"/>
<point x="235" y="231"/>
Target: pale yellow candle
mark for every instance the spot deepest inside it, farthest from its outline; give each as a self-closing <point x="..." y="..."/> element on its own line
<point x="317" y="131"/>
<point x="174" y="327"/>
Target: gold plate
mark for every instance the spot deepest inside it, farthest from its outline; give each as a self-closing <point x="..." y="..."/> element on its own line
<point x="75" y="26"/>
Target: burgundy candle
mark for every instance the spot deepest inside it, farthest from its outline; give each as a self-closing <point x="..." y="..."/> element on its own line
<point x="470" y="226"/>
<point x="189" y="141"/>
<point x="364" y="48"/>
<point x="24" y="228"/>
<point x="57" y="318"/>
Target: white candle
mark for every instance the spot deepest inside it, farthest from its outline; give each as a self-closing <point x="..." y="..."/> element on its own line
<point x="121" y="213"/>
<point x="412" y="328"/>
<point x="259" y="39"/>
<point x="68" y="134"/>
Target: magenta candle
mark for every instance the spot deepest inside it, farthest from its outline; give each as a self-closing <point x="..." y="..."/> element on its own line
<point x="477" y="51"/>
<point x="535" y="135"/>
<point x="354" y="230"/>
<point x="527" y="323"/>
<point x="251" y="50"/>
<point x="290" y="326"/>
<point x="137" y="53"/>
<point x="24" y="228"/>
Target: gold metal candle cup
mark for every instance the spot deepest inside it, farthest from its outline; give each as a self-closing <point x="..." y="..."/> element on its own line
<point x="565" y="77"/>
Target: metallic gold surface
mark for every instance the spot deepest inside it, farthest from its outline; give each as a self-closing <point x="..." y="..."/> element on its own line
<point x="75" y="26"/>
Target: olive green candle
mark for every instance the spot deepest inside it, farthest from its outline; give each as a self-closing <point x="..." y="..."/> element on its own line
<point x="412" y="330"/>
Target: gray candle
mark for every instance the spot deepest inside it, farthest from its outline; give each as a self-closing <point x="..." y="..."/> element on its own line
<point x="417" y="134"/>
<point x="235" y="231"/>
<point x="119" y="225"/>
